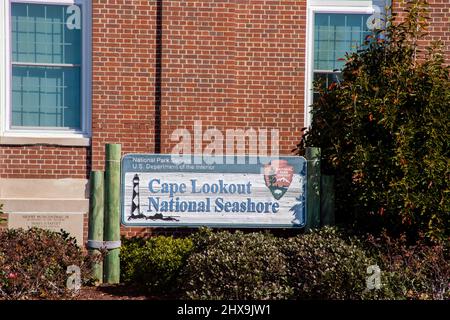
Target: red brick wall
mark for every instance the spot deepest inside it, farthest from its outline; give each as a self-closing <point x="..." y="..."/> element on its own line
<point x="123" y="71"/>
<point x="229" y="63"/>
<point x="234" y="64"/>
<point x="34" y="162"/>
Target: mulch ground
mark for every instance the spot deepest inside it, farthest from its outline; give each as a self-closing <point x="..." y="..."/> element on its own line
<point x="114" y="292"/>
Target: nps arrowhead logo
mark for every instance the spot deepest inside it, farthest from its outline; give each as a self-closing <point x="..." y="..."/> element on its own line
<point x="278" y="177"/>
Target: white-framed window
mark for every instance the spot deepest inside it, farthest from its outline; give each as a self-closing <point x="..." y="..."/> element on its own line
<point x="45" y="71"/>
<point x="334" y="27"/>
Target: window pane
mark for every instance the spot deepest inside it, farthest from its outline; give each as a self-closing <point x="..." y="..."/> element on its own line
<point x="334" y="35"/>
<point x="46" y="97"/>
<point x="40" y="35"/>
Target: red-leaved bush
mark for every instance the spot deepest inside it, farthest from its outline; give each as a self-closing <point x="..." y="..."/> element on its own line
<point x="33" y="264"/>
<point x="413" y="271"/>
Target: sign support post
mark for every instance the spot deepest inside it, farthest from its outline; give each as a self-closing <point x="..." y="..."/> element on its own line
<point x="313" y="188"/>
<point x="112" y="213"/>
<point x="96" y="216"/>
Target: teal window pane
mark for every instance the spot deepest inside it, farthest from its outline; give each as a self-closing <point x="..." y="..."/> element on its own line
<point x="40" y="34"/>
<point x="335" y="34"/>
<point x="46" y="97"/>
<point x="45" y="94"/>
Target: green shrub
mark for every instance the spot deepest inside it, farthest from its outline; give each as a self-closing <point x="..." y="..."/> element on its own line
<point x="383" y="131"/>
<point x="322" y="265"/>
<point x="33" y="264"/>
<point x="154" y="264"/>
<point x="236" y="266"/>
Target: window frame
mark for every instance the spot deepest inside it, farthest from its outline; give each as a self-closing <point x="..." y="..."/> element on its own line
<point x="6" y="75"/>
<point x="325" y="6"/>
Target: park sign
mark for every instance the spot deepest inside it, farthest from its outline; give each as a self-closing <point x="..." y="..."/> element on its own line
<point x="163" y="191"/>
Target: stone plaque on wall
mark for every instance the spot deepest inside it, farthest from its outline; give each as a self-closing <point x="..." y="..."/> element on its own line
<point x="70" y="222"/>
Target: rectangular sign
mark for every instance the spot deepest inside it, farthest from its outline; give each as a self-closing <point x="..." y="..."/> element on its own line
<point x="161" y="191"/>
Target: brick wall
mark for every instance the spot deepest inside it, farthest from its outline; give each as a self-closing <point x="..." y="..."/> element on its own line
<point x="123" y="92"/>
<point x="47" y="162"/>
<point x="234" y="64"/>
<point x="160" y="65"/>
<point x="229" y="63"/>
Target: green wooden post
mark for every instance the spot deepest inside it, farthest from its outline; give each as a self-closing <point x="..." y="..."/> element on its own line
<point x="96" y="216"/>
<point x="112" y="215"/>
<point x="313" y="188"/>
<point x="327" y="201"/>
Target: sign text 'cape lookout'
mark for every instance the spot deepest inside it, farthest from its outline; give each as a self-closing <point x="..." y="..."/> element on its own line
<point x="161" y="191"/>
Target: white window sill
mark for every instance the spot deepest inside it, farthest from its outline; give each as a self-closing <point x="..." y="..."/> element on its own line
<point x="54" y="141"/>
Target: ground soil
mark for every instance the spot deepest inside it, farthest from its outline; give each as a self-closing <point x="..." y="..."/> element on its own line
<point x="113" y="292"/>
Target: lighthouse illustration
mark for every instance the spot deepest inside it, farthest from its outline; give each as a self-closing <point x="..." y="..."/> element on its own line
<point x="135" y="201"/>
<point x="135" y="212"/>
